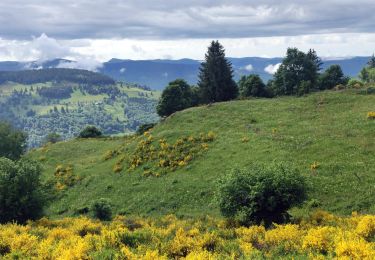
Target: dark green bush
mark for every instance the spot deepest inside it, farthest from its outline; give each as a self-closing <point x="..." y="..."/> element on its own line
<point x="332" y="77"/>
<point x="177" y="96"/>
<point x="304" y="88"/>
<point x="144" y="128"/>
<point x="52" y="138"/>
<point x="12" y="142"/>
<point x="20" y="190"/>
<point x="252" y="86"/>
<point x="260" y="194"/>
<point x="90" y="132"/>
<point x="102" y="209"/>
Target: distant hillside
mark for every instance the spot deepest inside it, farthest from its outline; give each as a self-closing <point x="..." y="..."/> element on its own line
<point x="329" y="129"/>
<point x="56" y="75"/>
<point x="64" y="101"/>
<point x="157" y="73"/>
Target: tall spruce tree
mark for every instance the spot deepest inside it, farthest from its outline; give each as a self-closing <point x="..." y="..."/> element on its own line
<point x="371" y="62"/>
<point x="216" y="76"/>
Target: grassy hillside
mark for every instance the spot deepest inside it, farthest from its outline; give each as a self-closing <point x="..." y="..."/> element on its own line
<point x="67" y="107"/>
<point x="329" y="129"/>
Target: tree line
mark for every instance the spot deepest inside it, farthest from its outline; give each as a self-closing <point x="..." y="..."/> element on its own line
<point x="298" y="74"/>
<point x="55" y="75"/>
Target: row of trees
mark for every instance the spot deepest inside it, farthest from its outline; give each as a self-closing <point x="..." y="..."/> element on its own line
<point x="215" y="84"/>
<point x="84" y="77"/>
<point x="299" y="73"/>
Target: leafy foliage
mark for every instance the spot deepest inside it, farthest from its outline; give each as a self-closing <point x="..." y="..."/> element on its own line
<point x="216" y="76"/>
<point x="297" y="67"/>
<point x="176" y="96"/>
<point x="144" y="128"/>
<point x="20" y="190"/>
<point x="332" y="77"/>
<point x="57" y="92"/>
<point x="90" y="132"/>
<point x="102" y="209"/>
<point x="12" y="142"/>
<point x="252" y="85"/>
<point x="261" y="193"/>
<point x="52" y="138"/>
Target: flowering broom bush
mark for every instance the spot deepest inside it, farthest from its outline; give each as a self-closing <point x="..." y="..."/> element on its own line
<point x="157" y="157"/>
<point x="172" y="238"/>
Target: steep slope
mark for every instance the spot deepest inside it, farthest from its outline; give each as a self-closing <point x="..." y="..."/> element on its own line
<point x="328" y="128"/>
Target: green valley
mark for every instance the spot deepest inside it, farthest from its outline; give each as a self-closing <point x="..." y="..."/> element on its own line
<point x="64" y="101"/>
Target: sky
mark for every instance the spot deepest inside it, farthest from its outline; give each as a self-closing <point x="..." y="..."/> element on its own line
<point x="92" y="32"/>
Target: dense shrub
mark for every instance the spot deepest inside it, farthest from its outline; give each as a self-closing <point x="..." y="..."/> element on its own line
<point x="20" y="190"/>
<point x="332" y="77"/>
<point x="252" y="86"/>
<point x="354" y="83"/>
<point x="52" y="138"/>
<point x="90" y="132"/>
<point x="102" y="209"/>
<point x="304" y="88"/>
<point x="178" y="95"/>
<point x="12" y="142"/>
<point x="56" y="92"/>
<point x="260" y="193"/>
<point x="367" y="75"/>
<point x="144" y="128"/>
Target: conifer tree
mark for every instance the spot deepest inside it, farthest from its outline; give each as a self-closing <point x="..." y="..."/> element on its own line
<point x="371" y="62"/>
<point x="216" y="76"/>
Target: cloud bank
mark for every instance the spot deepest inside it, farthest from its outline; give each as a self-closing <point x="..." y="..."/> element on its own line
<point x="138" y="19"/>
<point x="135" y="29"/>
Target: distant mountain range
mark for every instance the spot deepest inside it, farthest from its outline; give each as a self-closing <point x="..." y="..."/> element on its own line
<point x="157" y="73"/>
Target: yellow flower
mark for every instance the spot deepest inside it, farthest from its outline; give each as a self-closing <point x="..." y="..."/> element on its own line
<point x="371" y="115"/>
<point x="366" y="227"/>
<point x="245" y="139"/>
<point x="314" y="166"/>
<point x="320" y="239"/>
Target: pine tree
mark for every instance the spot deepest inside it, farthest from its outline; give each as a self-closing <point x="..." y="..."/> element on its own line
<point x="371" y="62"/>
<point x="216" y="76"/>
<point x="313" y="56"/>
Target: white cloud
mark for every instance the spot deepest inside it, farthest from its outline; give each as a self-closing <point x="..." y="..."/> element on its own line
<point x="45" y="47"/>
<point x="122" y="70"/>
<point x="249" y="67"/>
<point x="271" y="69"/>
<point x="83" y="63"/>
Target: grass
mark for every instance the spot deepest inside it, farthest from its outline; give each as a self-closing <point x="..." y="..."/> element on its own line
<point x="328" y="128"/>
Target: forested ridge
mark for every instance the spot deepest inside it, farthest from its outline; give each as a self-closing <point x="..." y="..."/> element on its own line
<point x="56" y="75"/>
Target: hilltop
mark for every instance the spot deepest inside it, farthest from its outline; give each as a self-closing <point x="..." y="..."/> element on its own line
<point x="325" y="135"/>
